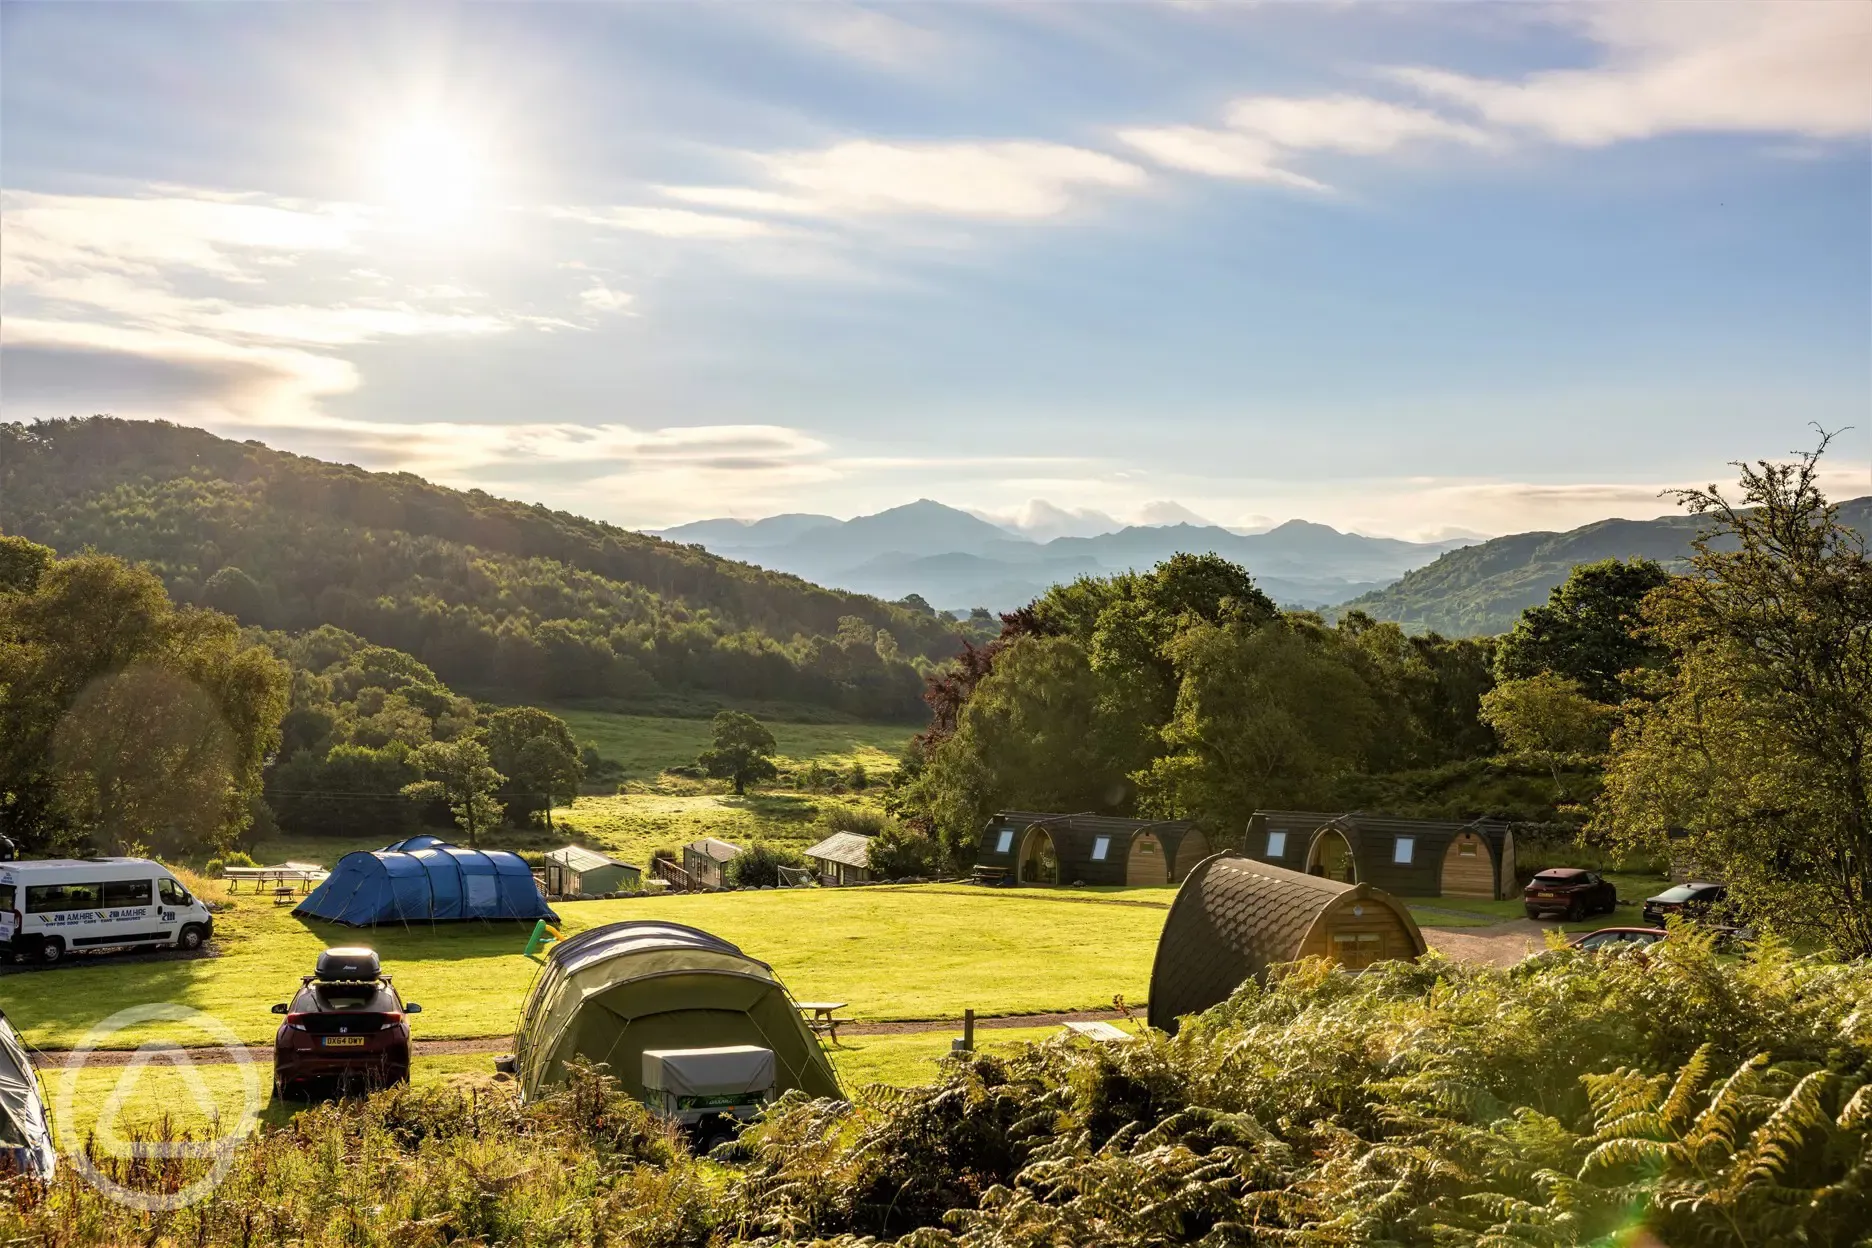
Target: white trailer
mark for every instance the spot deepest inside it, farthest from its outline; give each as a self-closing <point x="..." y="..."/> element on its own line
<point x="51" y="908"/>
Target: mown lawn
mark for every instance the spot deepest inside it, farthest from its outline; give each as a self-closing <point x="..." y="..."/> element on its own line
<point x="630" y="825"/>
<point x="891" y="953"/>
<point x="644" y="745"/>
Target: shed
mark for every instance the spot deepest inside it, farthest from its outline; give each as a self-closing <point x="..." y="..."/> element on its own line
<point x="1235" y="917"/>
<point x="25" y="1130"/>
<point x="611" y="993"/>
<point x="842" y="858"/>
<point x="1031" y="847"/>
<point x="426" y="880"/>
<point x="574" y="871"/>
<point x="1407" y="857"/>
<point x="704" y="860"/>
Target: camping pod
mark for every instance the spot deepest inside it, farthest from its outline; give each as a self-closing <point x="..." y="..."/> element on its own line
<point x="1405" y="857"/>
<point x="609" y="994"/>
<point x="1235" y="917"/>
<point x="426" y="880"/>
<point x="25" y="1130"/>
<point x="1034" y="848"/>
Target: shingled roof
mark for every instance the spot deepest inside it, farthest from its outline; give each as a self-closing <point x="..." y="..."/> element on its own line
<point x="847" y="848"/>
<point x="579" y="859"/>
<point x="1231" y="920"/>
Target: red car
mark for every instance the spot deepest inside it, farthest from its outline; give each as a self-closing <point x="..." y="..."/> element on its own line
<point x="1570" y="892"/>
<point x="346" y="1025"/>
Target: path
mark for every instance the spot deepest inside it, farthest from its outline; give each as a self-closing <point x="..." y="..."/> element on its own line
<point x="1499" y="944"/>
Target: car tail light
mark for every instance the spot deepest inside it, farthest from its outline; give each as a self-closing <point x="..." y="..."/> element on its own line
<point x="296" y="1022"/>
<point x="390" y="1020"/>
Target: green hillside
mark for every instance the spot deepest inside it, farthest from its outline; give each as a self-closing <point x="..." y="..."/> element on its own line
<point x="1479" y="590"/>
<point x="497" y="597"/>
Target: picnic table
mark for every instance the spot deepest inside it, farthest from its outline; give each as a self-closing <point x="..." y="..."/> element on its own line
<point x="281" y="879"/>
<point x="822" y="1017"/>
<point x="1103" y="1032"/>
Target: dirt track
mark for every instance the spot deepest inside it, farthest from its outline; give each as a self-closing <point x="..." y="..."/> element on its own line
<point x="1499" y="944"/>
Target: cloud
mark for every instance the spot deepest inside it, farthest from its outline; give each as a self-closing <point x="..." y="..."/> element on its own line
<point x="1783" y="68"/>
<point x="1016" y="180"/>
<point x="1166" y="512"/>
<point x="601" y="298"/>
<point x="1042" y="521"/>
<point x="1264" y="132"/>
<point x="865" y="35"/>
<point x="667" y="222"/>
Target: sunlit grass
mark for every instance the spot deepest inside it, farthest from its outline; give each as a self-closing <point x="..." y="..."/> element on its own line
<point x="890" y="952"/>
<point x="645" y="745"/>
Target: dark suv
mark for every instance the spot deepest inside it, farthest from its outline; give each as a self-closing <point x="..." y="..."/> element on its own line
<point x="345" y="1025"/>
<point x="1570" y="892"/>
<point x="1688" y="901"/>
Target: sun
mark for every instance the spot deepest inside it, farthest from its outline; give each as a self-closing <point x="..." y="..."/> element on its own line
<point x="430" y="172"/>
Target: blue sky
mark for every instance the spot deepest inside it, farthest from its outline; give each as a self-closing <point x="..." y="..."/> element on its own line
<point x="1406" y="269"/>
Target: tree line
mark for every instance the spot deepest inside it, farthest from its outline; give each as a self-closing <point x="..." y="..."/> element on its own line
<point x="135" y="723"/>
<point x="496" y="597"/>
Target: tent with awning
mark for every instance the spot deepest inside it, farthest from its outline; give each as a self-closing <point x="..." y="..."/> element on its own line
<point x="426" y="880"/>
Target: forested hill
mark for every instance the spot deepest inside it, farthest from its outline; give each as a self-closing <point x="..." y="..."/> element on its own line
<point x="498" y="597"/>
<point x="1483" y="589"/>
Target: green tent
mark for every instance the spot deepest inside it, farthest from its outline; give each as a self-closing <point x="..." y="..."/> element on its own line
<point x="612" y="992"/>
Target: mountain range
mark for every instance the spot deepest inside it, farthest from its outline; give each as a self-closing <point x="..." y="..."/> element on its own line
<point x="1484" y="587"/>
<point x="955" y="559"/>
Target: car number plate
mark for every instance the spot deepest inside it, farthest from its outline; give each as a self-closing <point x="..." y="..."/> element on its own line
<point x="343" y="1042"/>
<point x="1547" y="896"/>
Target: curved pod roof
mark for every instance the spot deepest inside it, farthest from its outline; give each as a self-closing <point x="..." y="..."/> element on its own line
<point x="426" y="880"/>
<point x="1235" y="917"/>
<point x="610" y="993"/>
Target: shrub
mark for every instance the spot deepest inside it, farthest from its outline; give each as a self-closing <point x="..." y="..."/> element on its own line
<point x="758" y="866"/>
<point x="899" y="853"/>
<point x="860" y="819"/>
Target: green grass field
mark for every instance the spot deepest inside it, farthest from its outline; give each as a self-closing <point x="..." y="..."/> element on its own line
<point x="645" y="745"/>
<point x="891" y="953"/>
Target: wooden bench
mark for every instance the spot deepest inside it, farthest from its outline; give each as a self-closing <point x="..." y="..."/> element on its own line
<point x="1105" y="1033"/>
<point x="823" y="1020"/>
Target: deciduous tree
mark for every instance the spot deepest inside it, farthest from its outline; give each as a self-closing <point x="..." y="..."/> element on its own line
<point x="458" y="773"/>
<point x="742" y="752"/>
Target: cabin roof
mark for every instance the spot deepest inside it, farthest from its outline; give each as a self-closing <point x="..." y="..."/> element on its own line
<point x="1086" y="821"/>
<point x="578" y="858"/>
<point x="847" y="848"/>
<point x="720" y="851"/>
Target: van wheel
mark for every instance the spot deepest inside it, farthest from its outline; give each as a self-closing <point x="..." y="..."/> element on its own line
<point x="190" y="938"/>
<point x="51" y="949"/>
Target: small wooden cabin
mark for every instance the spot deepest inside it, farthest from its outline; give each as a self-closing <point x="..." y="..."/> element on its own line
<point x="1406" y="857"/>
<point x="705" y="859"/>
<point x="1031" y="847"/>
<point x="1235" y="917"/>
<point x="842" y="858"/>
<point x="574" y="871"/>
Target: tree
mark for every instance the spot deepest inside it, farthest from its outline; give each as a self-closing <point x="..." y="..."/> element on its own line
<point x="1547" y="717"/>
<point x="127" y="721"/>
<point x="900" y="853"/>
<point x="1589" y="630"/>
<point x="758" y="866"/>
<point x="1758" y="742"/>
<point x="458" y="773"/>
<point x="535" y="750"/>
<point x="742" y="753"/>
<point x="234" y="593"/>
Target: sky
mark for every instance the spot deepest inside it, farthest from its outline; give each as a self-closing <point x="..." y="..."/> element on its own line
<point x="1414" y="270"/>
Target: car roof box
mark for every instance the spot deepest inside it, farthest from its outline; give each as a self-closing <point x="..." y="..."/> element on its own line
<point x="347" y="964"/>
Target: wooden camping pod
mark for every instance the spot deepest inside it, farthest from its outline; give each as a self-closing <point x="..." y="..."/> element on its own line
<point x="1035" y="848"/>
<point x="1235" y="917"/>
<point x="1405" y="857"/>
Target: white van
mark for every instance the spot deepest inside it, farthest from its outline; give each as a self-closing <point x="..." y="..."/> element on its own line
<point x="60" y="906"/>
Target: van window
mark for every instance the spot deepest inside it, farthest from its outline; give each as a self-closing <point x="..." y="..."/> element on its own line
<point x="6" y="896"/>
<point x="126" y="893"/>
<point x="173" y="894"/>
<point x="52" y="898"/>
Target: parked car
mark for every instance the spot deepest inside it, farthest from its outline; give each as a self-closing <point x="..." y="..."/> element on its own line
<point x="1571" y="892"/>
<point x="1609" y="938"/>
<point x="346" y="1025"/>
<point x="1689" y="901"/>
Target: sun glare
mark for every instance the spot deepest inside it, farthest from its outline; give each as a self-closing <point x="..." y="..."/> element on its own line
<point x="430" y="173"/>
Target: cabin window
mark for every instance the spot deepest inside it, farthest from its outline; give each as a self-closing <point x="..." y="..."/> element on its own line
<point x="1356" y="949"/>
<point x="127" y="893"/>
<point x="1101" y="845"/>
<point x="52" y="898"/>
<point x="1005" y="842"/>
<point x="1277" y="845"/>
<point x="1466" y="850"/>
<point x="1404" y="850"/>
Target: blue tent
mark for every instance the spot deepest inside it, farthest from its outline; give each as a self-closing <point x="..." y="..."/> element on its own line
<point x="426" y="880"/>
